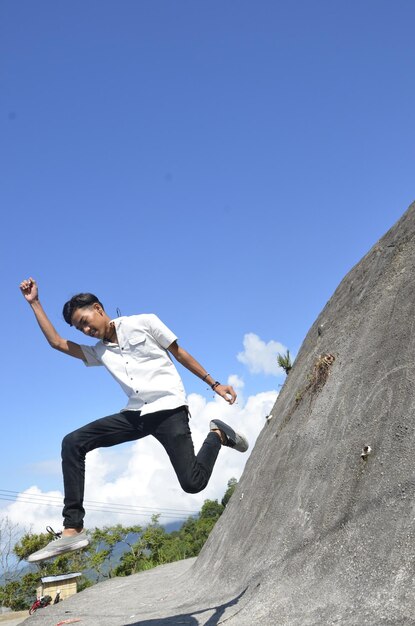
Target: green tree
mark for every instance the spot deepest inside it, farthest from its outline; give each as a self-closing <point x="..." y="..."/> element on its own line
<point x="103" y="542"/>
<point x="147" y="552"/>
<point x="9" y="564"/>
<point x="155" y="546"/>
<point x="232" y="482"/>
<point x="195" y="531"/>
<point x="19" y="594"/>
<point x="284" y="361"/>
<point x="211" y="510"/>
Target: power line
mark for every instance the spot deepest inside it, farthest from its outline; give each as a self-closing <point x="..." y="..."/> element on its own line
<point x="89" y="502"/>
<point x="94" y="505"/>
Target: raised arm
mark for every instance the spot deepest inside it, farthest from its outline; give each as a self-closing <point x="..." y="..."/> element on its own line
<point x="30" y="292"/>
<point x="225" y="391"/>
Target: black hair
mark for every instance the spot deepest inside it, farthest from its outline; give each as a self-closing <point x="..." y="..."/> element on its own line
<point x="79" y="301"/>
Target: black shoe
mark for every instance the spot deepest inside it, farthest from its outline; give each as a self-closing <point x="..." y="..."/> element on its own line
<point x="233" y="439"/>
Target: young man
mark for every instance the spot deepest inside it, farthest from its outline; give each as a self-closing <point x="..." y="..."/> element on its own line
<point x="135" y="350"/>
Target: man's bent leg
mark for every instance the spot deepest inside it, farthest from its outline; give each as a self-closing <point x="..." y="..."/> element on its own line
<point x="173" y="432"/>
<point x="108" y="431"/>
<point x="102" y="433"/>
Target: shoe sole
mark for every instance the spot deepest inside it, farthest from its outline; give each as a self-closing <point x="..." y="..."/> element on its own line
<point x="69" y="548"/>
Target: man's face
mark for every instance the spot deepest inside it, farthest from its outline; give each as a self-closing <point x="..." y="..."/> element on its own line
<point x="91" y="320"/>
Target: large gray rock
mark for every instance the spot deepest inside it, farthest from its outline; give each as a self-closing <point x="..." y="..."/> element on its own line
<point x="318" y="531"/>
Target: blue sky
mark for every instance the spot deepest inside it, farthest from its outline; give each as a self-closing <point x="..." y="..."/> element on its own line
<point x="222" y="164"/>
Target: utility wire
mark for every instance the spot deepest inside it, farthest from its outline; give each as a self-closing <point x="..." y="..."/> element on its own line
<point x="93" y="505"/>
<point x="97" y="502"/>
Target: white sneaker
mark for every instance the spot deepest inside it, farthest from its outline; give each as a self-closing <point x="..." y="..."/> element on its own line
<point x="59" y="545"/>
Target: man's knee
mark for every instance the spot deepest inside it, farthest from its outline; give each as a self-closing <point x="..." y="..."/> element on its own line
<point x="193" y="486"/>
<point x="70" y="442"/>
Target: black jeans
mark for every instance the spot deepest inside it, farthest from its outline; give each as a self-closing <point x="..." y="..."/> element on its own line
<point x="171" y="428"/>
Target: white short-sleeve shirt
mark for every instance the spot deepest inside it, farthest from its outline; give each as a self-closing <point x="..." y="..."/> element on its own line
<point x="141" y="364"/>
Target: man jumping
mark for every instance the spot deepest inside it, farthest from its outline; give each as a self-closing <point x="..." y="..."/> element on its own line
<point x="136" y="351"/>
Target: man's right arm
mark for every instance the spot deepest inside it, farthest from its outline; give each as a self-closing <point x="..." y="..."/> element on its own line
<point x="30" y="292"/>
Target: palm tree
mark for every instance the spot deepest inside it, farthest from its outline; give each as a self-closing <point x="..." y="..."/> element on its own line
<point x="284" y="361"/>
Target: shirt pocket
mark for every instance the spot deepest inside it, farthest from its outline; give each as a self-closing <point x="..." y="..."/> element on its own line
<point x="137" y="339"/>
<point x="142" y="347"/>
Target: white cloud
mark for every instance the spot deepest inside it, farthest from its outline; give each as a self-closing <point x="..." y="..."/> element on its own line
<point x="236" y="382"/>
<point x="34" y="509"/>
<point x="140" y="475"/>
<point x="261" y="357"/>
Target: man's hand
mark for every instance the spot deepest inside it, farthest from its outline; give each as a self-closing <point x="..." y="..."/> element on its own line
<point x="29" y="289"/>
<point x="226" y="392"/>
<point x="30" y="292"/>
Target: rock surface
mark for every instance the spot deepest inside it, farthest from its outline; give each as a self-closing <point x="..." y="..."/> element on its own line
<point x="320" y="529"/>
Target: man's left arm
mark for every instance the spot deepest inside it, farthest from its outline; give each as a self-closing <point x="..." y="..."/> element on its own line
<point x="225" y="391"/>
